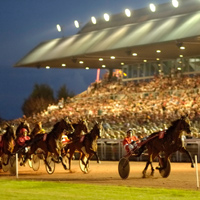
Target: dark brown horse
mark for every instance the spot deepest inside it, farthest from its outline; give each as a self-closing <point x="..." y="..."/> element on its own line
<point x="170" y="143"/>
<point x="51" y="142"/>
<point x="7" y="143"/>
<point x="86" y="145"/>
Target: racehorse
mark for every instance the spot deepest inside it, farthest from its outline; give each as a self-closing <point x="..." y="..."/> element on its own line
<point x="86" y="145"/>
<point x="7" y="143"/>
<point x="51" y="142"/>
<point x="170" y="143"/>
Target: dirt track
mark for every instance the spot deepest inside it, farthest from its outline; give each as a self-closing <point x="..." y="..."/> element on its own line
<point x="182" y="176"/>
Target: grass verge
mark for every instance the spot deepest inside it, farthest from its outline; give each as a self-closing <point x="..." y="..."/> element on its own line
<point x="41" y="190"/>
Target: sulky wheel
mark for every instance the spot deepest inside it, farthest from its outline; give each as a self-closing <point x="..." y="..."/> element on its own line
<point x="35" y="162"/>
<point x="51" y="164"/>
<point x="165" y="172"/>
<point x="124" y="168"/>
<point x="84" y="168"/>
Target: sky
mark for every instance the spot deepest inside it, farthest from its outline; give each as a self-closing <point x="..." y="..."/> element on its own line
<point x="26" y="23"/>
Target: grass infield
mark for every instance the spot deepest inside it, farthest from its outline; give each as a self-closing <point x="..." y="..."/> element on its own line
<point x="42" y="190"/>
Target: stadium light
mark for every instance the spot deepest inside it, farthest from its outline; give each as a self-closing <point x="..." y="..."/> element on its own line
<point x="93" y="19"/>
<point x="127" y="12"/>
<point x="175" y="3"/>
<point x="60" y="29"/>
<point x="106" y="17"/>
<point x="152" y="7"/>
<point x="76" y="23"/>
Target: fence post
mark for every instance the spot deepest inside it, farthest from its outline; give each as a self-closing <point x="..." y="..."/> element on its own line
<point x="16" y="165"/>
<point x="197" y="175"/>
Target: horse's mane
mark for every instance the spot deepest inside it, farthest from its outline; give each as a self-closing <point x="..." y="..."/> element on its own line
<point x="9" y="129"/>
<point x="55" y="127"/>
<point x="173" y="126"/>
<point x="75" y="125"/>
<point x="95" y="128"/>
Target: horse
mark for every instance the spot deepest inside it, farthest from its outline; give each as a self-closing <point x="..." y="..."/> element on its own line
<point x="86" y="145"/>
<point x="51" y="142"/>
<point x="7" y="143"/>
<point x="171" y="142"/>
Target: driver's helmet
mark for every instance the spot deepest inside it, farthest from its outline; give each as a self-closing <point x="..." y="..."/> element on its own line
<point x="23" y="130"/>
<point x="129" y="131"/>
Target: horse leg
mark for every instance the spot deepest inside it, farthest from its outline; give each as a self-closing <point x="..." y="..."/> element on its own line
<point x="97" y="157"/>
<point x="149" y="162"/>
<point x="26" y="156"/>
<point x="71" y="153"/>
<point x="184" y="150"/>
<point x="7" y="161"/>
<point x="145" y="169"/>
<point x="92" y="152"/>
<point x="57" y="153"/>
<point x="46" y="162"/>
<point x="63" y="164"/>
<point x="152" y="169"/>
<point x="82" y="156"/>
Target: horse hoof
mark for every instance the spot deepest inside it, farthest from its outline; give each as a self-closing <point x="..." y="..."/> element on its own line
<point x="192" y="165"/>
<point x="99" y="162"/>
<point x="144" y="174"/>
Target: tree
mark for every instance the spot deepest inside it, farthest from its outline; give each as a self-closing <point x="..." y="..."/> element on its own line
<point x="40" y="98"/>
<point x="63" y="92"/>
<point x="42" y="91"/>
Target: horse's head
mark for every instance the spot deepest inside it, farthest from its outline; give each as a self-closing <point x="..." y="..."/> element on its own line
<point x="83" y="125"/>
<point x="185" y="124"/>
<point x="37" y="129"/>
<point x="97" y="129"/>
<point x="67" y="125"/>
<point x="10" y="132"/>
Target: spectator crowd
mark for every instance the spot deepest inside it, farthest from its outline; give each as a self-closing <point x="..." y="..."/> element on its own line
<point x="145" y="106"/>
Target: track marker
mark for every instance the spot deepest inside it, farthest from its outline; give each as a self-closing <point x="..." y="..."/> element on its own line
<point x="197" y="175"/>
<point x="16" y="165"/>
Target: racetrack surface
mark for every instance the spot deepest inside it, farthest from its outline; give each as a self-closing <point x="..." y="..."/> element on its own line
<point x="182" y="176"/>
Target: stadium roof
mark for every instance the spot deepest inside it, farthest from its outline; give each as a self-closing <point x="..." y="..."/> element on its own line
<point x="166" y="30"/>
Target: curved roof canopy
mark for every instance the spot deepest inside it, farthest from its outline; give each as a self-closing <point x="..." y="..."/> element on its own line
<point x="148" y="32"/>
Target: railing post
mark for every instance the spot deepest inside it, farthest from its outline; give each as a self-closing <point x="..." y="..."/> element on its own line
<point x="16" y="165"/>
